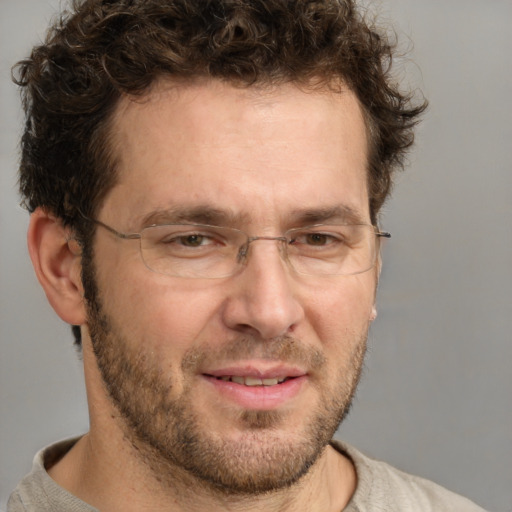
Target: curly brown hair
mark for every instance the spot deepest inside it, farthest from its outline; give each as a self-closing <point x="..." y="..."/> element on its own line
<point x="101" y="49"/>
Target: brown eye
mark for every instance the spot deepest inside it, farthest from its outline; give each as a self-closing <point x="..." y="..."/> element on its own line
<point x="317" y="239"/>
<point x="192" y="240"/>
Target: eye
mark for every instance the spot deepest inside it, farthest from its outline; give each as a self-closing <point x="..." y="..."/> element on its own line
<point x="193" y="240"/>
<point x="315" y="239"/>
<point x="318" y="239"/>
<point x="189" y="240"/>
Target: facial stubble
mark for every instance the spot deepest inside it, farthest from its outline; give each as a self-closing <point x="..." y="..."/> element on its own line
<point x="171" y="437"/>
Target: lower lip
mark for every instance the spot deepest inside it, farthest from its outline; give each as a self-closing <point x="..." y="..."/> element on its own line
<point x="262" y="398"/>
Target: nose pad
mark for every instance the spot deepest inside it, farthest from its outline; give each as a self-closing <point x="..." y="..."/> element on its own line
<point x="244" y="249"/>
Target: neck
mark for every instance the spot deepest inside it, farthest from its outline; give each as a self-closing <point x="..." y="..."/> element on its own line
<point x="109" y="477"/>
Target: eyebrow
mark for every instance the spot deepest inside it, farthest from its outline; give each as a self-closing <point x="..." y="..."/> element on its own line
<point x="207" y="214"/>
<point x="339" y="214"/>
<point x="201" y="214"/>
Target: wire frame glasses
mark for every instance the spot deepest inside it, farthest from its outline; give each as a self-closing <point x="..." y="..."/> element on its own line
<point x="203" y="251"/>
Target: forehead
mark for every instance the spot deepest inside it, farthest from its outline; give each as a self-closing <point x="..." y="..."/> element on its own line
<point x="256" y="152"/>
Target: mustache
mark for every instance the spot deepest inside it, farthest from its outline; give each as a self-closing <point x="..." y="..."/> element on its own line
<point x="284" y="349"/>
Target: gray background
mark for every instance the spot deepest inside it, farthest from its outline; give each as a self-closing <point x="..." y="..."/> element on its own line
<point x="436" y="395"/>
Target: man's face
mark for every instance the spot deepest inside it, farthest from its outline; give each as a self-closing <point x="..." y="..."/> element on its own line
<point x="178" y="355"/>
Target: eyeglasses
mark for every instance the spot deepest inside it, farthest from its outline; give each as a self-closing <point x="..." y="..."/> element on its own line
<point x="202" y="251"/>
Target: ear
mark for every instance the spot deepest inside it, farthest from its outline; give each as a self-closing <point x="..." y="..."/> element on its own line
<point x="57" y="262"/>
<point x="378" y="269"/>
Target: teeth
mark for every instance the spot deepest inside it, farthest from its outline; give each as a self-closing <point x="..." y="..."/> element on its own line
<point x="252" y="381"/>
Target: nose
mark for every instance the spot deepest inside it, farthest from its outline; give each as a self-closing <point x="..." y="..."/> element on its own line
<point x="264" y="300"/>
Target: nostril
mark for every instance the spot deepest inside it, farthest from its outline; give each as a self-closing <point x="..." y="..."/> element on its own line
<point x="247" y="329"/>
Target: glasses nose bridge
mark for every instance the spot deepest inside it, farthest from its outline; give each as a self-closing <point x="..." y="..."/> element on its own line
<point x="244" y="249"/>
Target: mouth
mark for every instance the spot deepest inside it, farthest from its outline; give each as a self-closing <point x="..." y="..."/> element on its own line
<point x="255" y="388"/>
<point x="252" y="381"/>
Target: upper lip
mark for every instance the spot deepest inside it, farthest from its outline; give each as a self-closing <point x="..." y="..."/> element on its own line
<point x="257" y="371"/>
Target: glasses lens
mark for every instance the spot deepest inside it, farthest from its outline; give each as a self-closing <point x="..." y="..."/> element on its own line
<point x="191" y="250"/>
<point x="332" y="250"/>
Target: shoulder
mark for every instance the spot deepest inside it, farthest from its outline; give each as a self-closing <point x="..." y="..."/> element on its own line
<point x="385" y="488"/>
<point x="38" y="492"/>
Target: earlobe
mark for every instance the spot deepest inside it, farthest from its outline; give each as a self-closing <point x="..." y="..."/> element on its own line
<point x="373" y="313"/>
<point x="57" y="264"/>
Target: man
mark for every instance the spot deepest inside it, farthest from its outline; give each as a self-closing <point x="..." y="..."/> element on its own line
<point x="204" y="181"/>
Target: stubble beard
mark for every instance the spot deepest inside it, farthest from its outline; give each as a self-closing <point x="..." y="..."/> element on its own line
<point x="169" y="435"/>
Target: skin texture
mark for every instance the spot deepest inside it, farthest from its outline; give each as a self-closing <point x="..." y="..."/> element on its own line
<point x="261" y="160"/>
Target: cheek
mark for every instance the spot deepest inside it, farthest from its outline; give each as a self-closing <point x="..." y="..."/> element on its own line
<point x="343" y="311"/>
<point x="161" y="312"/>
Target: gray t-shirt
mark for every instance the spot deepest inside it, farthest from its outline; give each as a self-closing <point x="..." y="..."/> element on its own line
<point x="380" y="488"/>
